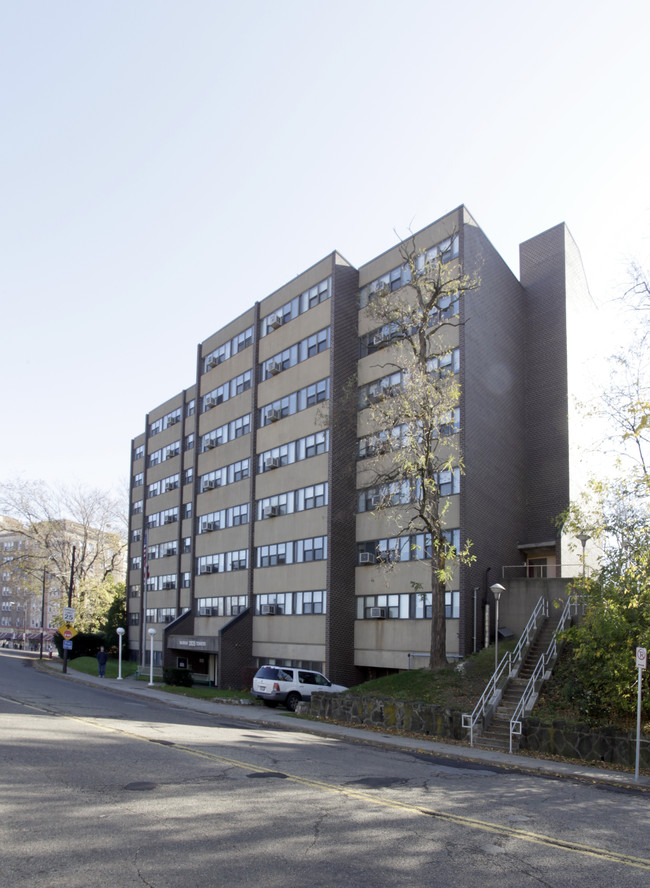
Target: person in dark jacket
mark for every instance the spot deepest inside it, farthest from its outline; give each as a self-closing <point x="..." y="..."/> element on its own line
<point x="102" y="657"/>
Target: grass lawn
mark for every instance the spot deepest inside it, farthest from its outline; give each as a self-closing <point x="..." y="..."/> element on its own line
<point x="456" y="685"/>
<point x="88" y="665"/>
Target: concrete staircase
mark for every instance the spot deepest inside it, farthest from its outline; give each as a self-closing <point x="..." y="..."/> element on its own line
<point x="497" y="734"/>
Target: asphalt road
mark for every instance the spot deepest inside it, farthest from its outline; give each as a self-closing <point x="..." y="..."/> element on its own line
<point x="102" y="788"/>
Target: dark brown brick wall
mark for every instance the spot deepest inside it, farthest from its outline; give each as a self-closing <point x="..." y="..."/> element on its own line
<point x="339" y="642"/>
<point x="543" y="275"/>
<point x="493" y="366"/>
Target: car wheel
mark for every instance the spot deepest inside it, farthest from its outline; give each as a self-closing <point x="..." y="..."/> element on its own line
<point x="292" y="701"/>
<point x="270" y="703"/>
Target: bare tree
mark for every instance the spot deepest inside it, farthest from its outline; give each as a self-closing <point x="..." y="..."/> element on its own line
<point x="51" y="522"/>
<point x="412" y="409"/>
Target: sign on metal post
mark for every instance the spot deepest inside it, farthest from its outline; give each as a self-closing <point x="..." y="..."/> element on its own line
<point x="641" y="664"/>
<point x="68" y="614"/>
<point x="67" y="645"/>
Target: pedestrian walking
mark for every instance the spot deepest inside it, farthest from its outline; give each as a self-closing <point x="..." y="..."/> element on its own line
<point x="102" y="657"/>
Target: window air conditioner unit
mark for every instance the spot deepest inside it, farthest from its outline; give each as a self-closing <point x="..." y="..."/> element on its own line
<point x="169" y="552"/>
<point x="378" y="339"/>
<point x="205" y="611"/>
<point x="208" y="527"/>
<point x="210" y="484"/>
<point x="274" y="321"/>
<point x="268" y="609"/>
<point x="271" y="511"/>
<point x="209" y="568"/>
<point x="272" y="462"/>
<point x="210" y="402"/>
<point x="172" y="420"/>
<point x="210" y="444"/>
<point x="274" y="367"/>
<point x="366" y="558"/>
<point x="211" y="362"/>
<point x="381" y="288"/>
<point x="378" y="613"/>
<point x="272" y="415"/>
<point x="169" y="585"/>
<point x="374" y="395"/>
<point x="383" y="554"/>
<point x="170" y="519"/>
<point x="169" y="486"/>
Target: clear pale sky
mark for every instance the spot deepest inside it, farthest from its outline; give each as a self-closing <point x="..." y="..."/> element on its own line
<point x="164" y="164"/>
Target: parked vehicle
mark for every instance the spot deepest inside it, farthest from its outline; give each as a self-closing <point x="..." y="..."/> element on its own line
<point x="283" y="684"/>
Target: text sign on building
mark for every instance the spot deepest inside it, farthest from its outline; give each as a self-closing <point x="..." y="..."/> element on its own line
<point x="641" y="658"/>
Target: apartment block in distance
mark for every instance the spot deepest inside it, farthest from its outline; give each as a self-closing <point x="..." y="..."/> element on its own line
<point x="253" y="534"/>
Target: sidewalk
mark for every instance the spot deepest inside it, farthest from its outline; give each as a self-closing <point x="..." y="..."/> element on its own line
<point x="264" y="715"/>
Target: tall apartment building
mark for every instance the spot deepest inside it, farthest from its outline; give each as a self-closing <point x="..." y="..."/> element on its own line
<point x="253" y="535"/>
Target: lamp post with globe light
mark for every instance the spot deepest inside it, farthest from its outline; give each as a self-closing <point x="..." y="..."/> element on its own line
<point x="151" y="632"/>
<point x="497" y="589"/>
<point x="120" y="633"/>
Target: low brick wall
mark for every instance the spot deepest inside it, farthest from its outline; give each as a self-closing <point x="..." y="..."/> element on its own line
<point x="567" y="741"/>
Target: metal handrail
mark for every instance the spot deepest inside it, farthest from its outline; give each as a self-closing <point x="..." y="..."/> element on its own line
<point x="540" y="669"/>
<point x="469" y="720"/>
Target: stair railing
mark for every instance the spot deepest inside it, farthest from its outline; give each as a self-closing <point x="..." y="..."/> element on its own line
<point x="510" y="660"/>
<point x="540" y="671"/>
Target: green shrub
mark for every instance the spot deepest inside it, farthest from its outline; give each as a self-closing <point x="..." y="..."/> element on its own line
<point x="181" y="678"/>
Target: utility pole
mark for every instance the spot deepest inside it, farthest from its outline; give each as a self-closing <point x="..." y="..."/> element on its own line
<point x="40" y="656"/>
<point x="65" y="650"/>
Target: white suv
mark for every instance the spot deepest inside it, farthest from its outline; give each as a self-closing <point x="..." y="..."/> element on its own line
<point x="284" y="684"/>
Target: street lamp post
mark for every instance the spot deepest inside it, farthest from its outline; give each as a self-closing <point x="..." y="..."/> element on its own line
<point x="497" y="589"/>
<point x="120" y="633"/>
<point x="151" y="632"/>
<point x="583" y="537"/>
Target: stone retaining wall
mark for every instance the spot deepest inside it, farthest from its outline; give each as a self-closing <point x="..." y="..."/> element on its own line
<point x="560" y="738"/>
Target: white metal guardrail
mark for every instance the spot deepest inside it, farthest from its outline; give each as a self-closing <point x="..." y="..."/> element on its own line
<point x="510" y="660"/>
<point x="540" y="670"/>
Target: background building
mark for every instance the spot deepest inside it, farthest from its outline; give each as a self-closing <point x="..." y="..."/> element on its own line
<point x="252" y="533"/>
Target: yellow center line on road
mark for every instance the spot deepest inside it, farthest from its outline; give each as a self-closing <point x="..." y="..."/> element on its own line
<point x="361" y="795"/>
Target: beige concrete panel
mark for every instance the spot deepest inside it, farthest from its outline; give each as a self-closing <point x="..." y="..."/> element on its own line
<point x="166" y="534"/>
<point x="223" y="413"/>
<point x="166" y="407"/>
<point x="295" y="378"/>
<point x="294" y="331"/>
<point x="292" y="477"/>
<point x="308" y="278"/>
<point x="309" y="628"/>
<point x="167" y="500"/>
<point x="222" y="497"/>
<point x="290" y="577"/>
<point x="227" y="370"/>
<point x="390" y="523"/>
<point x="313" y="419"/>
<point x="234" y="328"/>
<point x="421" y="240"/>
<point x="377" y="580"/>
<point x="397" y="637"/>
<point x="297" y="526"/>
<point x="232" y="582"/>
<point x="304" y="652"/>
